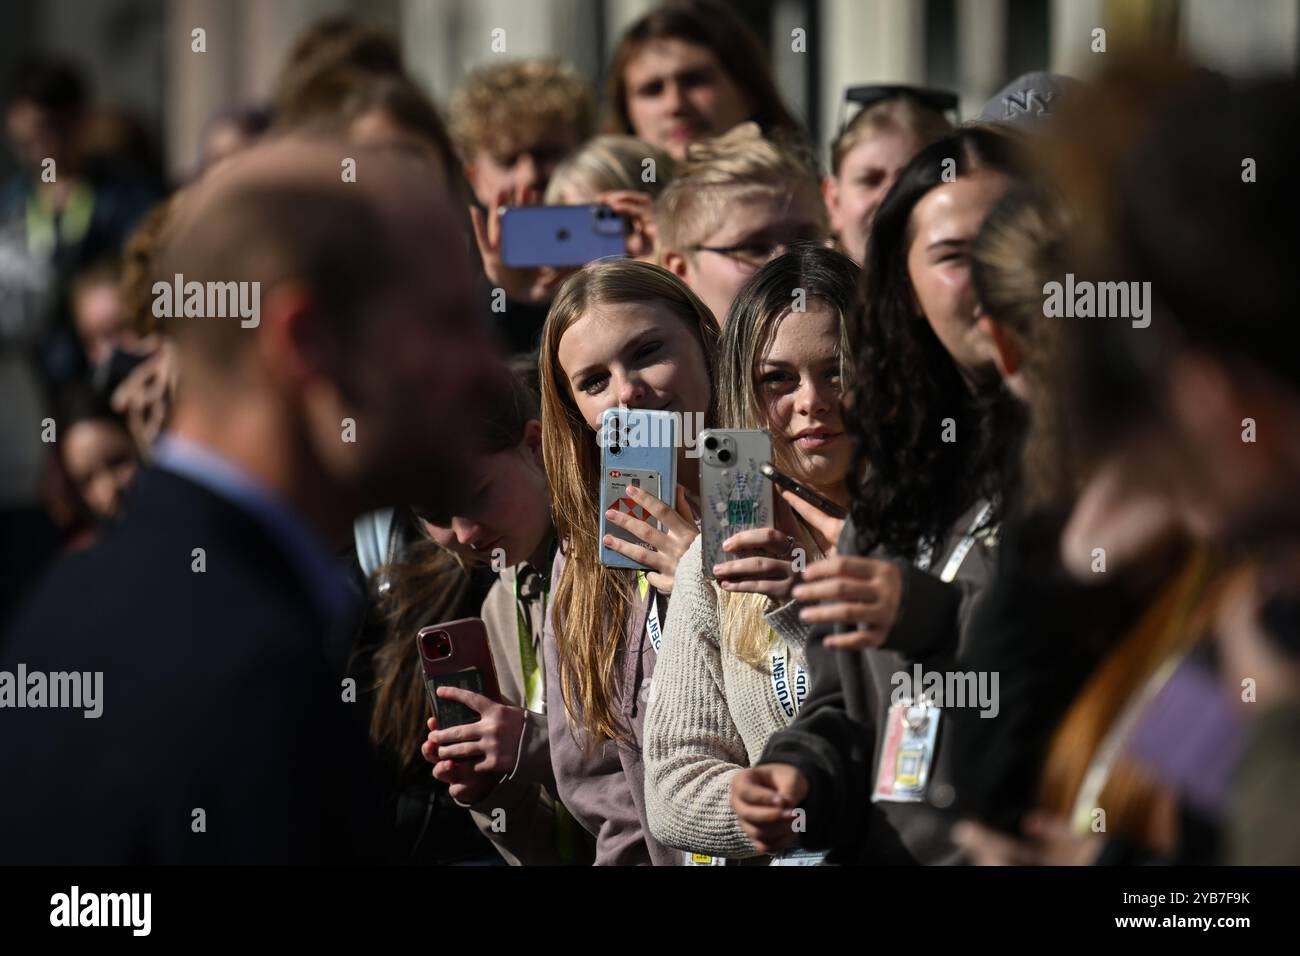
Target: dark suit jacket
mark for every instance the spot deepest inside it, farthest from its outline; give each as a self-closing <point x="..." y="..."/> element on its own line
<point x="217" y="697"/>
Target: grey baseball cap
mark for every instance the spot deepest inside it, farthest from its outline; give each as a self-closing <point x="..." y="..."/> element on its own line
<point x="1029" y="101"/>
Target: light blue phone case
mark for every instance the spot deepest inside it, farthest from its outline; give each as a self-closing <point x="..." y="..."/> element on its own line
<point x="534" y="236"/>
<point x="641" y="441"/>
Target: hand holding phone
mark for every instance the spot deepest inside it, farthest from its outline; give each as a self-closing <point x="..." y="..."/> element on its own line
<point x="638" y="461"/>
<point x="520" y="284"/>
<point x="456" y="654"/>
<point x="823" y="516"/>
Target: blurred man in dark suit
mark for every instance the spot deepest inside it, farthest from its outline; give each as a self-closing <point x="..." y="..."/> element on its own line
<point x="225" y="731"/>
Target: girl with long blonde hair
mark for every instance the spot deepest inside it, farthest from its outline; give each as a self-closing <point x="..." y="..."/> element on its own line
<point x="620" y="333"/>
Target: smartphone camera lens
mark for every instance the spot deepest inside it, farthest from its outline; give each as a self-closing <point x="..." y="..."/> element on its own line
<point x="562" y="235"/>
<point x="724" y="455"/>
<point x="437" y="645"/>
<point x="711" y="443"/>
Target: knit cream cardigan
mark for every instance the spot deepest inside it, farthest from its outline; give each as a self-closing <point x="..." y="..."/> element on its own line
<point x="710" y="716"/>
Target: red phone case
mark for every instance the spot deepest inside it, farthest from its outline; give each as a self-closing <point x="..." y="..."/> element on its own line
<point x="456" y="654"/>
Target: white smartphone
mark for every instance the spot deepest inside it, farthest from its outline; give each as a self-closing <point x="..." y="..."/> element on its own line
<point x="734" y="495"/>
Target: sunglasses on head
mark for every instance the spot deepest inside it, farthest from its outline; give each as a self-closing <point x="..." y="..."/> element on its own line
<point x="867" y="96"/>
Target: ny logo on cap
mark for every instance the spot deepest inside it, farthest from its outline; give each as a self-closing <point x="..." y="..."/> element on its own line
<point x="1023" y="102"/>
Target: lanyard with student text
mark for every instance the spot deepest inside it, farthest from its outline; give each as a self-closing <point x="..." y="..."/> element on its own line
<point x="652" y="622"/>
<point x="789" y="700"/>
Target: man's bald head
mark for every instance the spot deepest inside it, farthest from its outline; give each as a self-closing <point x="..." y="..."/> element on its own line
<point x="281" y="212"/>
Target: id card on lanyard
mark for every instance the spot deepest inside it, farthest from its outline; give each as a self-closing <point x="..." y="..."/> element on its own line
<point x="912" y="725"/>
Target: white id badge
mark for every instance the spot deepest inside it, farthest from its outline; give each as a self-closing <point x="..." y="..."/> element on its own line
<point x="799" y="858"/>
<point x="907" y="752"/>
<point x="700" y="859"/>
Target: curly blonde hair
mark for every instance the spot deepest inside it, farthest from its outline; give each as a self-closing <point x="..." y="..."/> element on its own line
<point x="522" y="101"/>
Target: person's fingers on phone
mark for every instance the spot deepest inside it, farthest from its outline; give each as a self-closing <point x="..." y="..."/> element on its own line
<point x="643" y="529"/>
<point x="627" y="548"/>
<point x="472" y="748"/>
<point x="755" y="568"/>
<point x="826" y="526"/>
<point x="661" y="581"/>
<point x="476" y="220"/>
<point x="674" y="524"/>
<point x="475" y="702"/>
<point x="776" y="543"/>
<point x="449" y="771"/>
<point x="777" y="590"/>
<point x="458" y="734"/>
<point x="494" y="220"/>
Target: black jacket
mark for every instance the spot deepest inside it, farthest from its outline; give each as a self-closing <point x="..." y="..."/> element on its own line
<point x="217" y="696"/>
<point x="837" y="749"/>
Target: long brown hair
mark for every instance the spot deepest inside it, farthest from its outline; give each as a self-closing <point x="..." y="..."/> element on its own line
<point x="429" y="584"/>
<point x="591" y="601"/>
<point x="716" y="27"/>
<point x="825" y="276"/>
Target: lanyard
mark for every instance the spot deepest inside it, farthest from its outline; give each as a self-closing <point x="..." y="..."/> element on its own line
<point x="533" y="687"/>
<point x="652" y="622"/>
<point x="959" y="552"/>
<point x="789" y="702"/>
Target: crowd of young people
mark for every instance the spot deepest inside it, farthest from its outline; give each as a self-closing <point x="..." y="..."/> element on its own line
<point x="1045" y="611"/>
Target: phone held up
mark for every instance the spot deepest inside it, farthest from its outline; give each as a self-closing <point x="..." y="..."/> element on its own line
<point x="561" y="236"/>
<point x="638" y="447"/>
<point x="733" y="495"/>
<point x="456" y="654"/>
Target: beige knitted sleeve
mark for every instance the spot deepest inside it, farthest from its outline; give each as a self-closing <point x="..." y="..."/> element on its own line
<point x="692" y="748"/>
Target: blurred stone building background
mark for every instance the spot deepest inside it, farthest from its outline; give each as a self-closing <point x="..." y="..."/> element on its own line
<point x="136" y="53"/>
